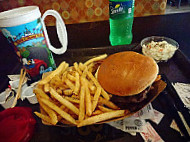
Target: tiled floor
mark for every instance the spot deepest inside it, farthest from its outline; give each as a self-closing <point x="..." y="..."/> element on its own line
<point x="173" y="9"/>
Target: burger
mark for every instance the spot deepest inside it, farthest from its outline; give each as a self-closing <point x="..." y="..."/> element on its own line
<point x="128" y="76"/>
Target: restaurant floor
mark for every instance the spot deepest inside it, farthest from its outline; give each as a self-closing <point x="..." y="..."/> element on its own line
<point x="184" y="7"/>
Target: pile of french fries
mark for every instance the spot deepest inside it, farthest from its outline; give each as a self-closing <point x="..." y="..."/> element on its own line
<point x="72" y="95"/>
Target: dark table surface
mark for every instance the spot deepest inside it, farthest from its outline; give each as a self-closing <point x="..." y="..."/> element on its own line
<point x="93" y="35"/>
<point x="96" y="34"/>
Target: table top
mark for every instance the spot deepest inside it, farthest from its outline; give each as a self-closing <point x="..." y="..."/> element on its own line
<point x="96" y="34"/>
<point x="93" y="35"/>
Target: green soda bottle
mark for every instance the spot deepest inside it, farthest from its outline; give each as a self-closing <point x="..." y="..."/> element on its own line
<point x="121" y="21"/>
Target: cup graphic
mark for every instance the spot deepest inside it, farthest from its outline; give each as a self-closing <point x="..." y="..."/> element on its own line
<point x="25" y="30"/>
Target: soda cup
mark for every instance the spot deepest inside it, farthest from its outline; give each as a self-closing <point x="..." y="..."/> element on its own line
<point x="25" y="30"/>
<point x="121" y="21"/>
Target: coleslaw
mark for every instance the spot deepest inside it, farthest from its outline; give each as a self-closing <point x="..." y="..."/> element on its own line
<point x="160" y="51"/>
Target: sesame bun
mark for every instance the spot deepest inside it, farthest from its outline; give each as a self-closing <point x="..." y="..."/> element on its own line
<point x="127" y="73"/>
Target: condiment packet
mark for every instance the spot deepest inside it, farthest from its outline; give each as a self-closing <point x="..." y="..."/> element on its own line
<point x="150" y="135"/>
<point x="14" y="77"/>
<point x="15" y="83"/>
<point x="174" y="126"/>
<point x="157" y="117"/>
<point x="27" y="93"/>
<point x="117" y="124"/>
<point x="4" y="95"/>
<point x="33" y="85"/>
<point x="131" y="125"/>
<point x="145" y="113"/>
<point x="6" y="98"/>
<point x="183" y="91"/>
<point x="134" y="124"/>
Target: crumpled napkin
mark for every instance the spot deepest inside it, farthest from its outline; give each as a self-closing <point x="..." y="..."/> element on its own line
<point x="183" y="91"/>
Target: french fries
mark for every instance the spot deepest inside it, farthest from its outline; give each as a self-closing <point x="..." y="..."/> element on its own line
<point x="108" y="103"/>
<point x="96" y="98"/>
<point x="63" y="101"/>
<point x="46" y="87"/>
<point x="62" y="67"/>
<point x="69" y="84"/>
<point x="40" y="93"/>
<point x="72" y="99"/>
<point x="64" y="114"/>
<point x="97" y="112"/>
<point x="77" y="83"/>
<point x="87" y="99"/>
<point x="102" y="117"/>
<point x="82" y="104"/>
<point x="73" y="96"/>
<point x="44" y="117"/>
<point x="76" y="66"/>
<point x="106" y="96"/>
<point x="95" y="59"/>
<point x="50" y="112"/>
<point x="44" y="113"/>
<point x="104" y="109"/>
<point x="68" y="92"/>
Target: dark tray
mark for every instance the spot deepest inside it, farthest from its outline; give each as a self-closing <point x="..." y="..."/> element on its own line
<point x="168" y="102"/>
<point x="177" y="68"/>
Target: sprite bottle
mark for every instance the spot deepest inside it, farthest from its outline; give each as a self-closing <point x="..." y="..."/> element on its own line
<point x="121" y="21"/>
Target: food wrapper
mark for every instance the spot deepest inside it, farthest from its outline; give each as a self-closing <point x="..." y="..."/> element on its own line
<point x="136" y="123"/>
<point x="6" y="98"/>
<point x="14" y="77"/>
<point x="174" y="126"/>
<point x="183" y="91"/>
<point x="157" y="117"/>
<point x="145" y="113"/>
<point x="150" y="135"/>
<point x="131" y="124"/>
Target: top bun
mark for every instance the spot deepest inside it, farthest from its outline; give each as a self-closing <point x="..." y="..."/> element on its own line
<point x="127" y="73"/>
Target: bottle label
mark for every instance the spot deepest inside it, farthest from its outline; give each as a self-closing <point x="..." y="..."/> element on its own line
<point x="121" y="9"/>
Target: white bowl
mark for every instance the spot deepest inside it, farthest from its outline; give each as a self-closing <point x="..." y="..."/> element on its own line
<point x="6" y="103"/>
<point x="29" y="95"/>
<point x="159" y="52"/>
